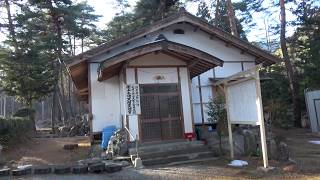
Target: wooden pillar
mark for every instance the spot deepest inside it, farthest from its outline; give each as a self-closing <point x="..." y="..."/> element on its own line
<point x="261" y="122"/>
<point x="229" y="123"/>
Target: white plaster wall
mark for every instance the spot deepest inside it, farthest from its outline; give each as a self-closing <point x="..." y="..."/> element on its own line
<point x="248" y="65"/>
<point x="130" y="75"/>
<point x="148" y="75"/>
<point x="195" y="90"/>
<point x="105" y="101"/>
<point x="186" y="101"/>
<point x="196" y="39"/>
<point x="159" y="59"/>
<point x="201" y="40"/>
<point x="197" y="113"/>
<point x="228" y="69"/>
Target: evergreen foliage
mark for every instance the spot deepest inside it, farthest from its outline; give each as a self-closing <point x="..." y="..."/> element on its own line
<point x="217" y="113"/>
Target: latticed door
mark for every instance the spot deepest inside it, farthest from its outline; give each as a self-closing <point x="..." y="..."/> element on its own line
<point x="160" y="112"/>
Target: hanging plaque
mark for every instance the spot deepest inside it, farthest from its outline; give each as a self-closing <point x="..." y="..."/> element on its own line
<point x="133" y="99"/>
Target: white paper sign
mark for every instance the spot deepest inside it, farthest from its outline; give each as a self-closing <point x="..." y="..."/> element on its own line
<point x="133" y="99"/>
<point x="244" y="103"/>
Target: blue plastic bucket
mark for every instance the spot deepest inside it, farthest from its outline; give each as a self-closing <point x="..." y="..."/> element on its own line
<point x="107" y="132"/>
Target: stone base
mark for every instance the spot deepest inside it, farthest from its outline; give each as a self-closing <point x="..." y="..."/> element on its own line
<point x="111" y="168"/>
<point x="80" y="169"/>
<point x="266" y="170"/>
<point x="20" y="172"/>
<point x="5" y="172"/>
<point x="42" y="170"/>
<point x="97" y="168"/>
<point x="62" y="169"/>
<point x="138" y="163"/>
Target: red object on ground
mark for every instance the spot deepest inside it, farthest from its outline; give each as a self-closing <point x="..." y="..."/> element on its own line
<point x="189" y="136"/>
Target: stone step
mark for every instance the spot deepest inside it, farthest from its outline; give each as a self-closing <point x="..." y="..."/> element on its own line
<point x="193" y="161"/>
<point x="178" y="158"/>
<point x="165" y="147"/>
<point x="152" y="155"/>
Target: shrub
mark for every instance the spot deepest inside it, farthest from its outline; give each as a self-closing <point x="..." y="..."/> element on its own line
<point x="217" y="114"/>
<point x="25" y="112"/>
<point x="14" y="129"/>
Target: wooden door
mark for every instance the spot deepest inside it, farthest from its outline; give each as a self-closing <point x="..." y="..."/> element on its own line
<point x="160" y="112"/>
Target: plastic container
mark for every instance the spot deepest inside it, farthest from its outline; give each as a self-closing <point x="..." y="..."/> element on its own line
<point x="107" y="132"/>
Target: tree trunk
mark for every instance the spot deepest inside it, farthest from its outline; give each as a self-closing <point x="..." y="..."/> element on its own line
<point x="74" y="45"/>
<point x="294" y="86"/>
<point x="62" y="106"/>
<point x="232" y="19"/>
<point x="217" y="14"/>
<point x="63" y="96"/>
<point x="70" y="44"/>
<point x="57" y="20"/>
<point x="161" y="8"/>
<point x="56" y="65"/>
<point x="82" y="44"/>
<point x="69" y="96"/>
<point x="11" y="26"/>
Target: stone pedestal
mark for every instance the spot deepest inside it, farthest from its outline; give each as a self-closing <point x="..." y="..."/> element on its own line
<point x="138" y="163"/>
<point x="1" y="156"/>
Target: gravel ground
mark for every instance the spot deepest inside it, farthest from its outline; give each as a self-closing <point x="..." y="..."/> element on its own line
<point x="195" y="171"/>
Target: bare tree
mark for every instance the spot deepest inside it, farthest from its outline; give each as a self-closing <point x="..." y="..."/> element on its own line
<point x="294" y="86"/>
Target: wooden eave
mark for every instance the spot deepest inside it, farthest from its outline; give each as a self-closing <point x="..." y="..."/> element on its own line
<point x="79" y="75"/>
<point x="198" y="61"/>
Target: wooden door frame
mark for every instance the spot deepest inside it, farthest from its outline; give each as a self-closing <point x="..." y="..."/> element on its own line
<point x="178" y="93"/>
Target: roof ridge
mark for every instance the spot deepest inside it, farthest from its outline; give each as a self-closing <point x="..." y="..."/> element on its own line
<point x="181" y="15"/>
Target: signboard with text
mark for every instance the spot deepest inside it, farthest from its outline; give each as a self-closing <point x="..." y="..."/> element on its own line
<point x="133" y="99"/>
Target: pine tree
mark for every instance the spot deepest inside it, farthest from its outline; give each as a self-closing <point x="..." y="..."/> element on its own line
<point x="144" y="13"/>
<point x="44" y="35"/>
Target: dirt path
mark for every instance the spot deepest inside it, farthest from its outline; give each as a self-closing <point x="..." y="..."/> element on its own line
<point x="39" y="151"/>
<point x="306" y="154"/>
<point x="50" y="151"/>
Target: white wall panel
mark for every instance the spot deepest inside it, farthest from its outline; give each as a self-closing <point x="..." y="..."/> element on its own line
<point x="197" y="113"/>
<point x="105" y="101"/>
<point x="205" y="115"/>
<point x="195" y="90"/>
<point x="248" y="65"/>
<point x="206" y="92"/>
<point x="202" y="41"/>
<point x="204" y="77"/>
<point x="157" y="59"/>
<point x="149" y="75"/>
<point x="228" y="69"/>
<point x="130" y="75"/>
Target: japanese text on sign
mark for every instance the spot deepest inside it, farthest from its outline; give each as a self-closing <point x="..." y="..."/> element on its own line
<point x="133" y="99"/>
